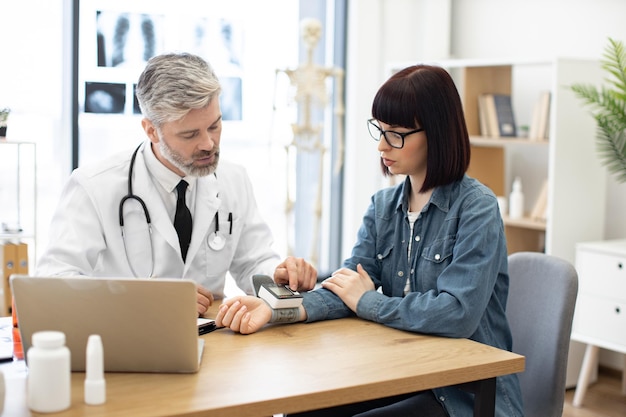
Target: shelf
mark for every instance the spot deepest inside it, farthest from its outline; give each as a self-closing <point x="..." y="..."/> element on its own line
<point x="565" y="160"/>
<point x="501" y="142"/>
<point x="526" y="223"/>
<point x="16" y="236"/>
<point x="18" y="190"/>
<point x="9" y="142"/>
<point x="18" y="213"/>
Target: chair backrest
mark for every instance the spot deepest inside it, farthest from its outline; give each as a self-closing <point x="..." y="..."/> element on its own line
<point x="540" y="310"/>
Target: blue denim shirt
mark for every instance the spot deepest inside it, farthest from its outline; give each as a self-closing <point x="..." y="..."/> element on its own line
<point x="458" y="274"/>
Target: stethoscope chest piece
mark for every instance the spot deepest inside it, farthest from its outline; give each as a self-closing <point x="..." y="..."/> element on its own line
<point x="216" y="241"/>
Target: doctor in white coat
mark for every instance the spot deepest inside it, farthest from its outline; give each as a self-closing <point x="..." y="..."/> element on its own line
<point x="115" y="218"/>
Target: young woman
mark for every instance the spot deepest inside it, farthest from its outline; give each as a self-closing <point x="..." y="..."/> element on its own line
<point x="430" y="255"/>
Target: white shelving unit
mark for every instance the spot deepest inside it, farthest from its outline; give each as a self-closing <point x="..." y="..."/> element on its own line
<point x="567" y="160"/>
<point x="18" y="202"/>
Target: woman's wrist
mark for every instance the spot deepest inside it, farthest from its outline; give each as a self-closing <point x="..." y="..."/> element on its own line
<point x="285" y="315"/>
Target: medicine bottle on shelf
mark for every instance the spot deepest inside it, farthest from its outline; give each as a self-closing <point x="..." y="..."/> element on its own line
<point x="49" y="373"/>
<point x="516" y="200"/>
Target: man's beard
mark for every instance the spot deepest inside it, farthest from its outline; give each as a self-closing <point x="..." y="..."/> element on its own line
<point x="187" y="166"/>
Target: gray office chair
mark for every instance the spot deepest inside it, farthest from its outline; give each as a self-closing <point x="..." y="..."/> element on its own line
<point x="540" y="309"/>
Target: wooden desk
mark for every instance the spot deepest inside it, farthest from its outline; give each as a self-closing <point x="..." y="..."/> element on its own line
<point x="289" y="368"/>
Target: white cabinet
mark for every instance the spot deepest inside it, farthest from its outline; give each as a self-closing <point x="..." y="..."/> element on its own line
<point x="600" y="317"/>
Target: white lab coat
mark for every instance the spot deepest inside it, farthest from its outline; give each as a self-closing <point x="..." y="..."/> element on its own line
<point x="86" y="239"/>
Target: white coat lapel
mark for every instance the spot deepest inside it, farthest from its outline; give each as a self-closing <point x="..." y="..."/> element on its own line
<point x="145" y="188"/>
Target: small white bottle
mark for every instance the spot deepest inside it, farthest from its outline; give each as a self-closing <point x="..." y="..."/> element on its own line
<point x="516" y="200"/>
<point x="95" y="385"/>
<point x="49" y="373"/>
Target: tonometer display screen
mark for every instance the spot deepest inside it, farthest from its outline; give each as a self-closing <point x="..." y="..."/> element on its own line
<point x="281" y="291"/>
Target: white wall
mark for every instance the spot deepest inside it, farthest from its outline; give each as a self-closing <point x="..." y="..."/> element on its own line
<point x="380" y="32"/>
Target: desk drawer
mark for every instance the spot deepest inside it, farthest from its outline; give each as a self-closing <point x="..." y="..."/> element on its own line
<point x="601" y="318"/>
<point x="601" y="274"/>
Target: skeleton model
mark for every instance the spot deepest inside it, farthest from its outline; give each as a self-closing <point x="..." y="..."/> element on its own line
<point x="309" y="81"/>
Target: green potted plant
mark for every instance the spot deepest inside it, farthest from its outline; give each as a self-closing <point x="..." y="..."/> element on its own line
<point x="4" y="116"/>
<point x="608" y="107"/>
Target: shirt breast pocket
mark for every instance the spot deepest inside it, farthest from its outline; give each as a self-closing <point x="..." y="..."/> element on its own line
<point x="436" y="257"/>
<point x="219" y="251"/>
<point x="387" y="263"/>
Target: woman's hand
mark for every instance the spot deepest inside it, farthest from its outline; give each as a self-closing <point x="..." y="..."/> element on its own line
<point x="349" y="285"/>
<point x="244" y="314"/>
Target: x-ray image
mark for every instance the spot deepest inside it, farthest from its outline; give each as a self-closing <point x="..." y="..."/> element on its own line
<point x="104" y="97"/>
<point x="218" y="40"/>
<point x="136" y="107"/>
<point x="127" y="39"/>
<point x="230" y="98"/>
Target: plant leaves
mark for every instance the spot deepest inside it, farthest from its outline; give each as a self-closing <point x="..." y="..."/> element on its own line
<point x="608" y="107"/>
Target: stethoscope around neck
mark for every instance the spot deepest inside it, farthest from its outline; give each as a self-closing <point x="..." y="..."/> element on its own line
<point x="215" y="240"/>
<point x="131" y="196"/>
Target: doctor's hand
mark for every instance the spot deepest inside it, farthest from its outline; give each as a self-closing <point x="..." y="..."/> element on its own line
<point x="349" y="285"/>
<point x="245" y="314"/>
<point x="205" y="299"/>
<point x="297" y="273"/>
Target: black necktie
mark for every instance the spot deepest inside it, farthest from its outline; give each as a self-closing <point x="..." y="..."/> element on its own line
<point x="182" y="219"/>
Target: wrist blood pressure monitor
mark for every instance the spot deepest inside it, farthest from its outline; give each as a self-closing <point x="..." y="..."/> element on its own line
<point x="275" y="295"/>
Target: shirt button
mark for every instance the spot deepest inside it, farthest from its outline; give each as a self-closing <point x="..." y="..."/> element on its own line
<point x="417" y="238"/>
<point x="437" y="257"/>
<point x="379" y="256"/>
<point x="400" y="273"/>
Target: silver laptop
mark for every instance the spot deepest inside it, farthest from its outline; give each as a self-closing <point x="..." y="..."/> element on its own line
<point x="146" y="325"/>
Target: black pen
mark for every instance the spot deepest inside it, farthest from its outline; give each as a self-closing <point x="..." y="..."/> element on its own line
<point x="230" y="220"/>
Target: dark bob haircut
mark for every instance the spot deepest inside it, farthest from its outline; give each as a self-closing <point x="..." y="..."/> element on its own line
<point x="425" y="96"/>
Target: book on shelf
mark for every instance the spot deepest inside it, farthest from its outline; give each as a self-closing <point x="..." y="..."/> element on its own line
<point x="14" y="260"/>
<point x="496" y="115"/>
<point x="504" y="115"/>
<point x="540" y="125"/>
<point x="541" y="204"/>
<point x="483" y="123"/>
<point x="8" y="258"/>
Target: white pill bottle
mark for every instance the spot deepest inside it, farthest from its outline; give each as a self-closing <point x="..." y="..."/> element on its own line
<point x="516" y="200"/>
<point x="49" y="373"/>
